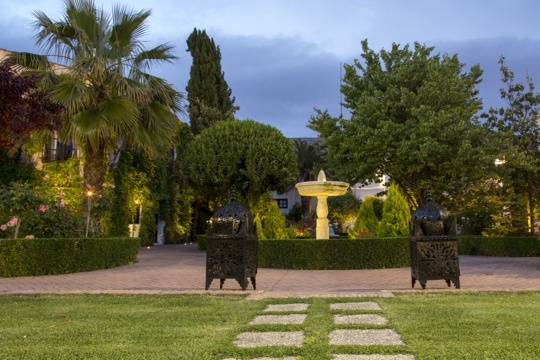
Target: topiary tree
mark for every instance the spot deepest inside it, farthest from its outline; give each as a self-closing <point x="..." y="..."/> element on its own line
<point x="366" y="221"/>
<point x="396" y="215"/>
<point x="245" y="156"/>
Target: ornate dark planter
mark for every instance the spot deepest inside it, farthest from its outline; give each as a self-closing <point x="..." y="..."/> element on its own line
<point x="232" y="246"/>
<point x="434" y="246"/>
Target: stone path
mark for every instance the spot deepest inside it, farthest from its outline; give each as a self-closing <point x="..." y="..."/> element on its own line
<point x="362" y="319"/>
<point x="357" y="338"/>
<point x="363" y="337"/>
<point x="293" y="319"/>
<point x="179" y="269"/>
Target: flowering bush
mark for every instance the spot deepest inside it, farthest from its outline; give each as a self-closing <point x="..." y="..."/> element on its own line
<point x="18" y="200"/>
<point x="24" y="213"/>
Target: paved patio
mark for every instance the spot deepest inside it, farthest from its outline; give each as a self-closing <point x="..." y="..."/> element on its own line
<point x="181" y="269"/>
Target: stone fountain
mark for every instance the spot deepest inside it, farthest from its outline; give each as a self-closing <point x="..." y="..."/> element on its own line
<point x="322" y="189"/>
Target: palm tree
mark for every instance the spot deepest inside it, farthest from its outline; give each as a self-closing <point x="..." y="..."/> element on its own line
<point x="310" y="159"/>
<point x="110" y="99"/>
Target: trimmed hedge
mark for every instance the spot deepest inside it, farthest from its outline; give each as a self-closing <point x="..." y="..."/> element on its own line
<point x="377" y="253"/>
<point x="511" y="246"/>
<point x="334" y="254"/>
<point x="22" y="257"/>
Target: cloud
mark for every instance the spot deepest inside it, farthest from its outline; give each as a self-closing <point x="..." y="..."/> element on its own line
<point x="522" y="56"/>
<point x="275" y="81"/>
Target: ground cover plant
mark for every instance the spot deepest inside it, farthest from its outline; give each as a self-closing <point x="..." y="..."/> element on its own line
<point x="433" y="326"/>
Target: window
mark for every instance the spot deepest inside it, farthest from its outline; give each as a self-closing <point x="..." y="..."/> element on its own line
<point x="282" y="203"/>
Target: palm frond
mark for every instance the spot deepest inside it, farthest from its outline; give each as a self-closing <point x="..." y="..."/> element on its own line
<point x="160" y="53"/>
<point x="72" y="93"/>
<point x="25" y="61"/>
<point x="127" y="29"/>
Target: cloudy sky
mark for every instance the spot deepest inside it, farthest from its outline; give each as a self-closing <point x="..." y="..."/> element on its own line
<point x="282" y="57"/>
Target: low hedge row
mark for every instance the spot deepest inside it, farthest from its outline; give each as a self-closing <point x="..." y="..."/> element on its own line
<point x="23" y="257"/>
<point x="510" y="246"/>
<point x="334" y="254"/>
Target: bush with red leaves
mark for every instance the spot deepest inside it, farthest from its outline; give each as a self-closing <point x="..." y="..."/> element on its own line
<point x="23" y="108"/>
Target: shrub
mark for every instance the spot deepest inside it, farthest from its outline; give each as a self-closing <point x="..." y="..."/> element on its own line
<point x="269" y="221"/>
<point x="334" y="254"/>
<point x="202" y="241"/>
<point x="342" y="210"/>
<point x="366" y="220"/>
<point x="23" y="257"/>
<point x="18" y="201"/>
<point x="500" y="246"/>
<point x="396" y="215"/>
<point x="54" y="222"/>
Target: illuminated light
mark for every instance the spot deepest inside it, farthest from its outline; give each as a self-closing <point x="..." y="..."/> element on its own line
<point x="89" y="193"/>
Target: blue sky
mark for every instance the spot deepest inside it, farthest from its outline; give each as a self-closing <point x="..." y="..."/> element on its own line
<point x="282" y="58"/>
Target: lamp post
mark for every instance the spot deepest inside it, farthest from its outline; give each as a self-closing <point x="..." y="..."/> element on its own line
<point x="89" y="195"/>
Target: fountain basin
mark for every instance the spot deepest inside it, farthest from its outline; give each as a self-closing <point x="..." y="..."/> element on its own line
<point x="322" y="188"/>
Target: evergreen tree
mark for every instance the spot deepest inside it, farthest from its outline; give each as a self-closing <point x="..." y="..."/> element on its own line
<point x="396" y="215"/>
<point x="209" y="94"/>
<point x="366" y="221"/>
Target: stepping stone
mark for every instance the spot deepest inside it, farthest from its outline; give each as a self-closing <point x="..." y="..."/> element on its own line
<point x="368" y="305"/>
<point x="270" y="338"/>
<point x="287" y="308"/>
<point x="374" y="357"/>
<point x="293" y="319"/>
<point x="365" y="337"/>
<point x="364" y="319"/>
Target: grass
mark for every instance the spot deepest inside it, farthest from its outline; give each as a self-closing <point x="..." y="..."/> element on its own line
<point x="433" y="326"/>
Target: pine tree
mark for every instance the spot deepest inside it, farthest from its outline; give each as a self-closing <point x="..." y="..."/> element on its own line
<point x="208" y="93"/>
<point x="396" y="215"/>
<point x="366" y="221"/>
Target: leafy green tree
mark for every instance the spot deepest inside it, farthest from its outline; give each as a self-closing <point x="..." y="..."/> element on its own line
<point x="412" y="118"/>
<point x="396" y="215"/>
<point x="208" y="93"/>
<point x="517" y="129"/>
<point x="246" y="157"/>
<point x="366" y="220"/>
<point x="110" y="99"/>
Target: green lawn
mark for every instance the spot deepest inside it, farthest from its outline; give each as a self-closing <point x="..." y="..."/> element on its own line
<point x="449" y="326"/>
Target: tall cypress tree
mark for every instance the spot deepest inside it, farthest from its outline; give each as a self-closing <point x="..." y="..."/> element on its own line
<point x="209" y="94"/>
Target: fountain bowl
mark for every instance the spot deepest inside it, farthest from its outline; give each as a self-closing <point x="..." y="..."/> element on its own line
<point x="322" y="188"/>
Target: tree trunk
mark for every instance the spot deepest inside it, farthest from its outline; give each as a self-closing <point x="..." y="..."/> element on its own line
<point x="94" y="169"/>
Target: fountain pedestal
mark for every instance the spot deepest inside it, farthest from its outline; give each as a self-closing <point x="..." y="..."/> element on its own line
<point x="322" y="189"/>
<point x="322" y="230"/>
